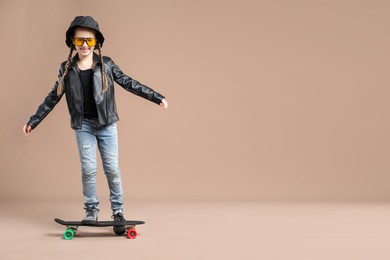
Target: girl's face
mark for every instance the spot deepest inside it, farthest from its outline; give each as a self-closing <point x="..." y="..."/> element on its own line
<point x="84" y="41"/>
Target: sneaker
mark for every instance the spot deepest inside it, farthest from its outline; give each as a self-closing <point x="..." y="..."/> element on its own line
<point x="118" y="216"/>
<point x="91" y="216"/>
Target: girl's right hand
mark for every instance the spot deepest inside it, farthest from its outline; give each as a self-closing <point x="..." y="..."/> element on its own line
<point x="27" y="129"/>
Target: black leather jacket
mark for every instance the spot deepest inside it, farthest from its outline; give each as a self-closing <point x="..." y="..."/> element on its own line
<point x="105" y="103"/>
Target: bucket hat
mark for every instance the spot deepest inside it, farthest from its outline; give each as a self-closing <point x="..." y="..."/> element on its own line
<point x="83" y="21"/>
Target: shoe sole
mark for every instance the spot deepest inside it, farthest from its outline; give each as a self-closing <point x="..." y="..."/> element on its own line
<point x="89" y="222"/>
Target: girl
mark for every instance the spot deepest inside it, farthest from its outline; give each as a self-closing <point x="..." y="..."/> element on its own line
<point x="87" y="80"/>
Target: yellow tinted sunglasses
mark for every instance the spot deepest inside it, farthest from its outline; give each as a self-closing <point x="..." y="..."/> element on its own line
<point x="79" y="41"/>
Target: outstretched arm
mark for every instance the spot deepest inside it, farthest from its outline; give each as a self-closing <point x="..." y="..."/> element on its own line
<point x="45" y="108"/>
<point x="135" y="86"/>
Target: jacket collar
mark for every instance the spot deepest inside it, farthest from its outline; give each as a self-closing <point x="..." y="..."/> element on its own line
<point x="75" y="58"/>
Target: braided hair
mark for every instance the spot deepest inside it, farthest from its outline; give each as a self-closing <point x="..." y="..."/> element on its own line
<point x="60" y="89"/>
<point x="103" y="70"/>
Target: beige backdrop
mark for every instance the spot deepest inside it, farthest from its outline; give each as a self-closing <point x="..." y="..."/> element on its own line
<point x="273" y="100"/>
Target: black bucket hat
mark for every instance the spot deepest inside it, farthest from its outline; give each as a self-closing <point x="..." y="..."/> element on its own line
<point x="83" y="21"/>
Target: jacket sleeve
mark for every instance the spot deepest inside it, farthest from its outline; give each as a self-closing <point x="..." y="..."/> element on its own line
<point x="134" y="86"/>
<point x="47" y="105"/>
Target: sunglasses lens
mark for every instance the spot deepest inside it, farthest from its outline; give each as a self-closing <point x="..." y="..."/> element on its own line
<point x="80" y="41"/>
<point x="91" y="42"/>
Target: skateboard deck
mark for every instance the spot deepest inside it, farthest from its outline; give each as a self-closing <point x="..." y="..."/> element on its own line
<point x="119" y="227"/>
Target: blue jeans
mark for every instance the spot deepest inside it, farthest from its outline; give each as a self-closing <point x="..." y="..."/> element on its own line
<point x="105" y="138"/>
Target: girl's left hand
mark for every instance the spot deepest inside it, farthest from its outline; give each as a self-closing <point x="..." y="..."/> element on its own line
<point x="164" y="104"/>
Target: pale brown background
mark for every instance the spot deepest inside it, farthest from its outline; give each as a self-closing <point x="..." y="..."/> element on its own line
<point x="269" y="101"/>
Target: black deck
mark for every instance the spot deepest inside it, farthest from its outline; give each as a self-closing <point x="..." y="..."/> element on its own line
<point x="108" y="223"/>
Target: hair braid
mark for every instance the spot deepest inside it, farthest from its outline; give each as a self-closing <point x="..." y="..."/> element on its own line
<point x="104" y="75"/>
<point x="60" y="88"/>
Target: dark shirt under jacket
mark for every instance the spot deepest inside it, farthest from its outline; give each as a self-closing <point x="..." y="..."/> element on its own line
<point x="90" y="110"/>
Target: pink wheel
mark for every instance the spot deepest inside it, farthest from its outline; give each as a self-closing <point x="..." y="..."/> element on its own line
<point x="132" y="233"/>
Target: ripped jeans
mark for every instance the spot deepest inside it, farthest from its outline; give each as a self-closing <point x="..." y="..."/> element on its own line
<point x="105" y="138"/>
